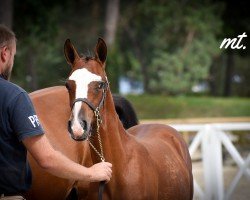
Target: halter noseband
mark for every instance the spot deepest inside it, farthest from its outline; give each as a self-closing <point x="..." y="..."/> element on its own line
<point x="96" y="110"/>
<point x="85" y="100"/>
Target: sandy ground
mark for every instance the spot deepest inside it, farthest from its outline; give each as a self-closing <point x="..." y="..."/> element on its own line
<point x="242" y="191"/>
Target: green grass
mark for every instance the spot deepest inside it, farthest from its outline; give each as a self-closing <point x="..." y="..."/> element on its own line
<point x="162" y="107"/>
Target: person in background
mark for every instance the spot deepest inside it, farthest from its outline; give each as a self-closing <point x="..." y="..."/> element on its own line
<point x="21" y="131"/>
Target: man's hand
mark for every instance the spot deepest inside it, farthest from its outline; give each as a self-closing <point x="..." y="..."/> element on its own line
<point x="101" y="172"/>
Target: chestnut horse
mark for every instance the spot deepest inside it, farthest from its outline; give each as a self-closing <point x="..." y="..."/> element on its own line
<point x="52" y="107"/>
<point x="149" y="161"/>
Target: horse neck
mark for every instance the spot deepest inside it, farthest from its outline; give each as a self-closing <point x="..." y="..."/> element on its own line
<point x="113" y="135"/>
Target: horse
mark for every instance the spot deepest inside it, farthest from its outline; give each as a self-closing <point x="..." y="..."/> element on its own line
<point x="150" y="161"/>
<point x="52" y="107"/>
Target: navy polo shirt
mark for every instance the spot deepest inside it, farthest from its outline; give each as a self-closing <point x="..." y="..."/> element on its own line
<point x="18" y="121"/>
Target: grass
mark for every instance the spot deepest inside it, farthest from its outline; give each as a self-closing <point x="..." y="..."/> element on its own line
<point x="162" y="107"/>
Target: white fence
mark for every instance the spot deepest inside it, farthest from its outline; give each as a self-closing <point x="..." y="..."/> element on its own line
<point x="211" y="137"/>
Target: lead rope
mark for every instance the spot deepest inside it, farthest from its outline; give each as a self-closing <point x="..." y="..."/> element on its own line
<point x="100" y="154"/>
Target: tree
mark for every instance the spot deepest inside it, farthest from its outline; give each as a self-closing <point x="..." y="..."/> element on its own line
<point x="174" y="42"/>
<point x="236" y="21"/>
<point x="6" y="12"/>
<point x="38" y="52"/>
<point x="112" y="16"/>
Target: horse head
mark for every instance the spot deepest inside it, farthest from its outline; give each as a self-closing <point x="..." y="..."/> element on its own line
<point x="87" y="85"/>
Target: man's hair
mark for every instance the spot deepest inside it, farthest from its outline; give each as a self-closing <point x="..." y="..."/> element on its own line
<point x="7" y="36"/>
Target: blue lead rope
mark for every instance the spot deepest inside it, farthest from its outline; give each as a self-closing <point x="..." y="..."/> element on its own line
<point x="101" y="188"/>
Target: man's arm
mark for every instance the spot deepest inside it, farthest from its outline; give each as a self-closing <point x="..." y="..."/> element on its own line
<point x="59" y="165"/>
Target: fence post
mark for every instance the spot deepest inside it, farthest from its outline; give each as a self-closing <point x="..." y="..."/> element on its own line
<point x="205" y="146"/>
<point x="212" y="163"/>
<point x="218" y="180"/>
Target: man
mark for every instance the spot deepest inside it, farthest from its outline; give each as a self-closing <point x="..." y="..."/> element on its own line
<point x="17" y="135"/>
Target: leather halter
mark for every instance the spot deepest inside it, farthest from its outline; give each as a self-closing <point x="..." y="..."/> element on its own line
<point x="92" y="107"/>
<point x="85" y="100"/>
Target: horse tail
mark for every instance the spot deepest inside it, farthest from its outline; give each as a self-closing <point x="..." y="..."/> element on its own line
<point x="125" y="111"/>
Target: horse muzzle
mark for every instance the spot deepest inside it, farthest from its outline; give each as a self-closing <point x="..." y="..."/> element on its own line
<point x="81" y="133"/>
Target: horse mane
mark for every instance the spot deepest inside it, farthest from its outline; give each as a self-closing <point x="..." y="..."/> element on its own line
<point x="125" y="111"/>
<point x="87" y="56"/>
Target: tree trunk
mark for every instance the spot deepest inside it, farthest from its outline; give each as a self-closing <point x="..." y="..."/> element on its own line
<point x="144" y="70"/>
<point x="31" y="73"/>
<point x="6" y="12"/>
<point x="112" y="16"/>
<point x="212" y="77"/>
<point x="228" y="75"/>
<point x="144" y="66"/>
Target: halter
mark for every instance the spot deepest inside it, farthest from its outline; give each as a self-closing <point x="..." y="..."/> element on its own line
<point x="85" y="100"/>
<point x="96" y="110"/>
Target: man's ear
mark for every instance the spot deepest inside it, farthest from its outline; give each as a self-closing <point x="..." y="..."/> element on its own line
<point x="101" y="50"/>
<point x="4" y="54"/>
<point x="70" y="52"/>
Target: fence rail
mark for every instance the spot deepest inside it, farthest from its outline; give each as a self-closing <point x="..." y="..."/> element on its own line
<point x="211" y="137"/>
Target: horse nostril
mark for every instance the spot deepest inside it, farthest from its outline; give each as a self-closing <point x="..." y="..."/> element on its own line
<point x="84" y="125"/>
<point x="69" y="127"/>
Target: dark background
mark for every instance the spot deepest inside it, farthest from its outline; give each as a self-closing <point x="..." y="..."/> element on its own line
<point x="169" y="46"/>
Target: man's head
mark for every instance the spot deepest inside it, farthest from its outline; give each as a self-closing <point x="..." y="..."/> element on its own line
<point x="7" y="51"/>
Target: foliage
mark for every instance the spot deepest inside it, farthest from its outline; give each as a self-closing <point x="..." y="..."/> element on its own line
<point x="177" y="40"/>
<point x="42" y="30"/>
<point x="242" y="74"/>
<point x="168" y="45"/>
<point x="38" y="54"/>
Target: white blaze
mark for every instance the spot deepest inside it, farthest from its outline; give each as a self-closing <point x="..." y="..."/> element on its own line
<point x="82" y="78"/>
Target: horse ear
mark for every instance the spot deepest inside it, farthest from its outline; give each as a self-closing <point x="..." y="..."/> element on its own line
<point x="101" y="50"/>
<point x="70" y="52"/>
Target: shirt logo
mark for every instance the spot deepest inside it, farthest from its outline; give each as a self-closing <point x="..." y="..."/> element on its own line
<point x="34" y="120"/>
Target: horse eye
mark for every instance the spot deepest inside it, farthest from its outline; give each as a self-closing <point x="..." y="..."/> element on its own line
<point x="100" y="85"/>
